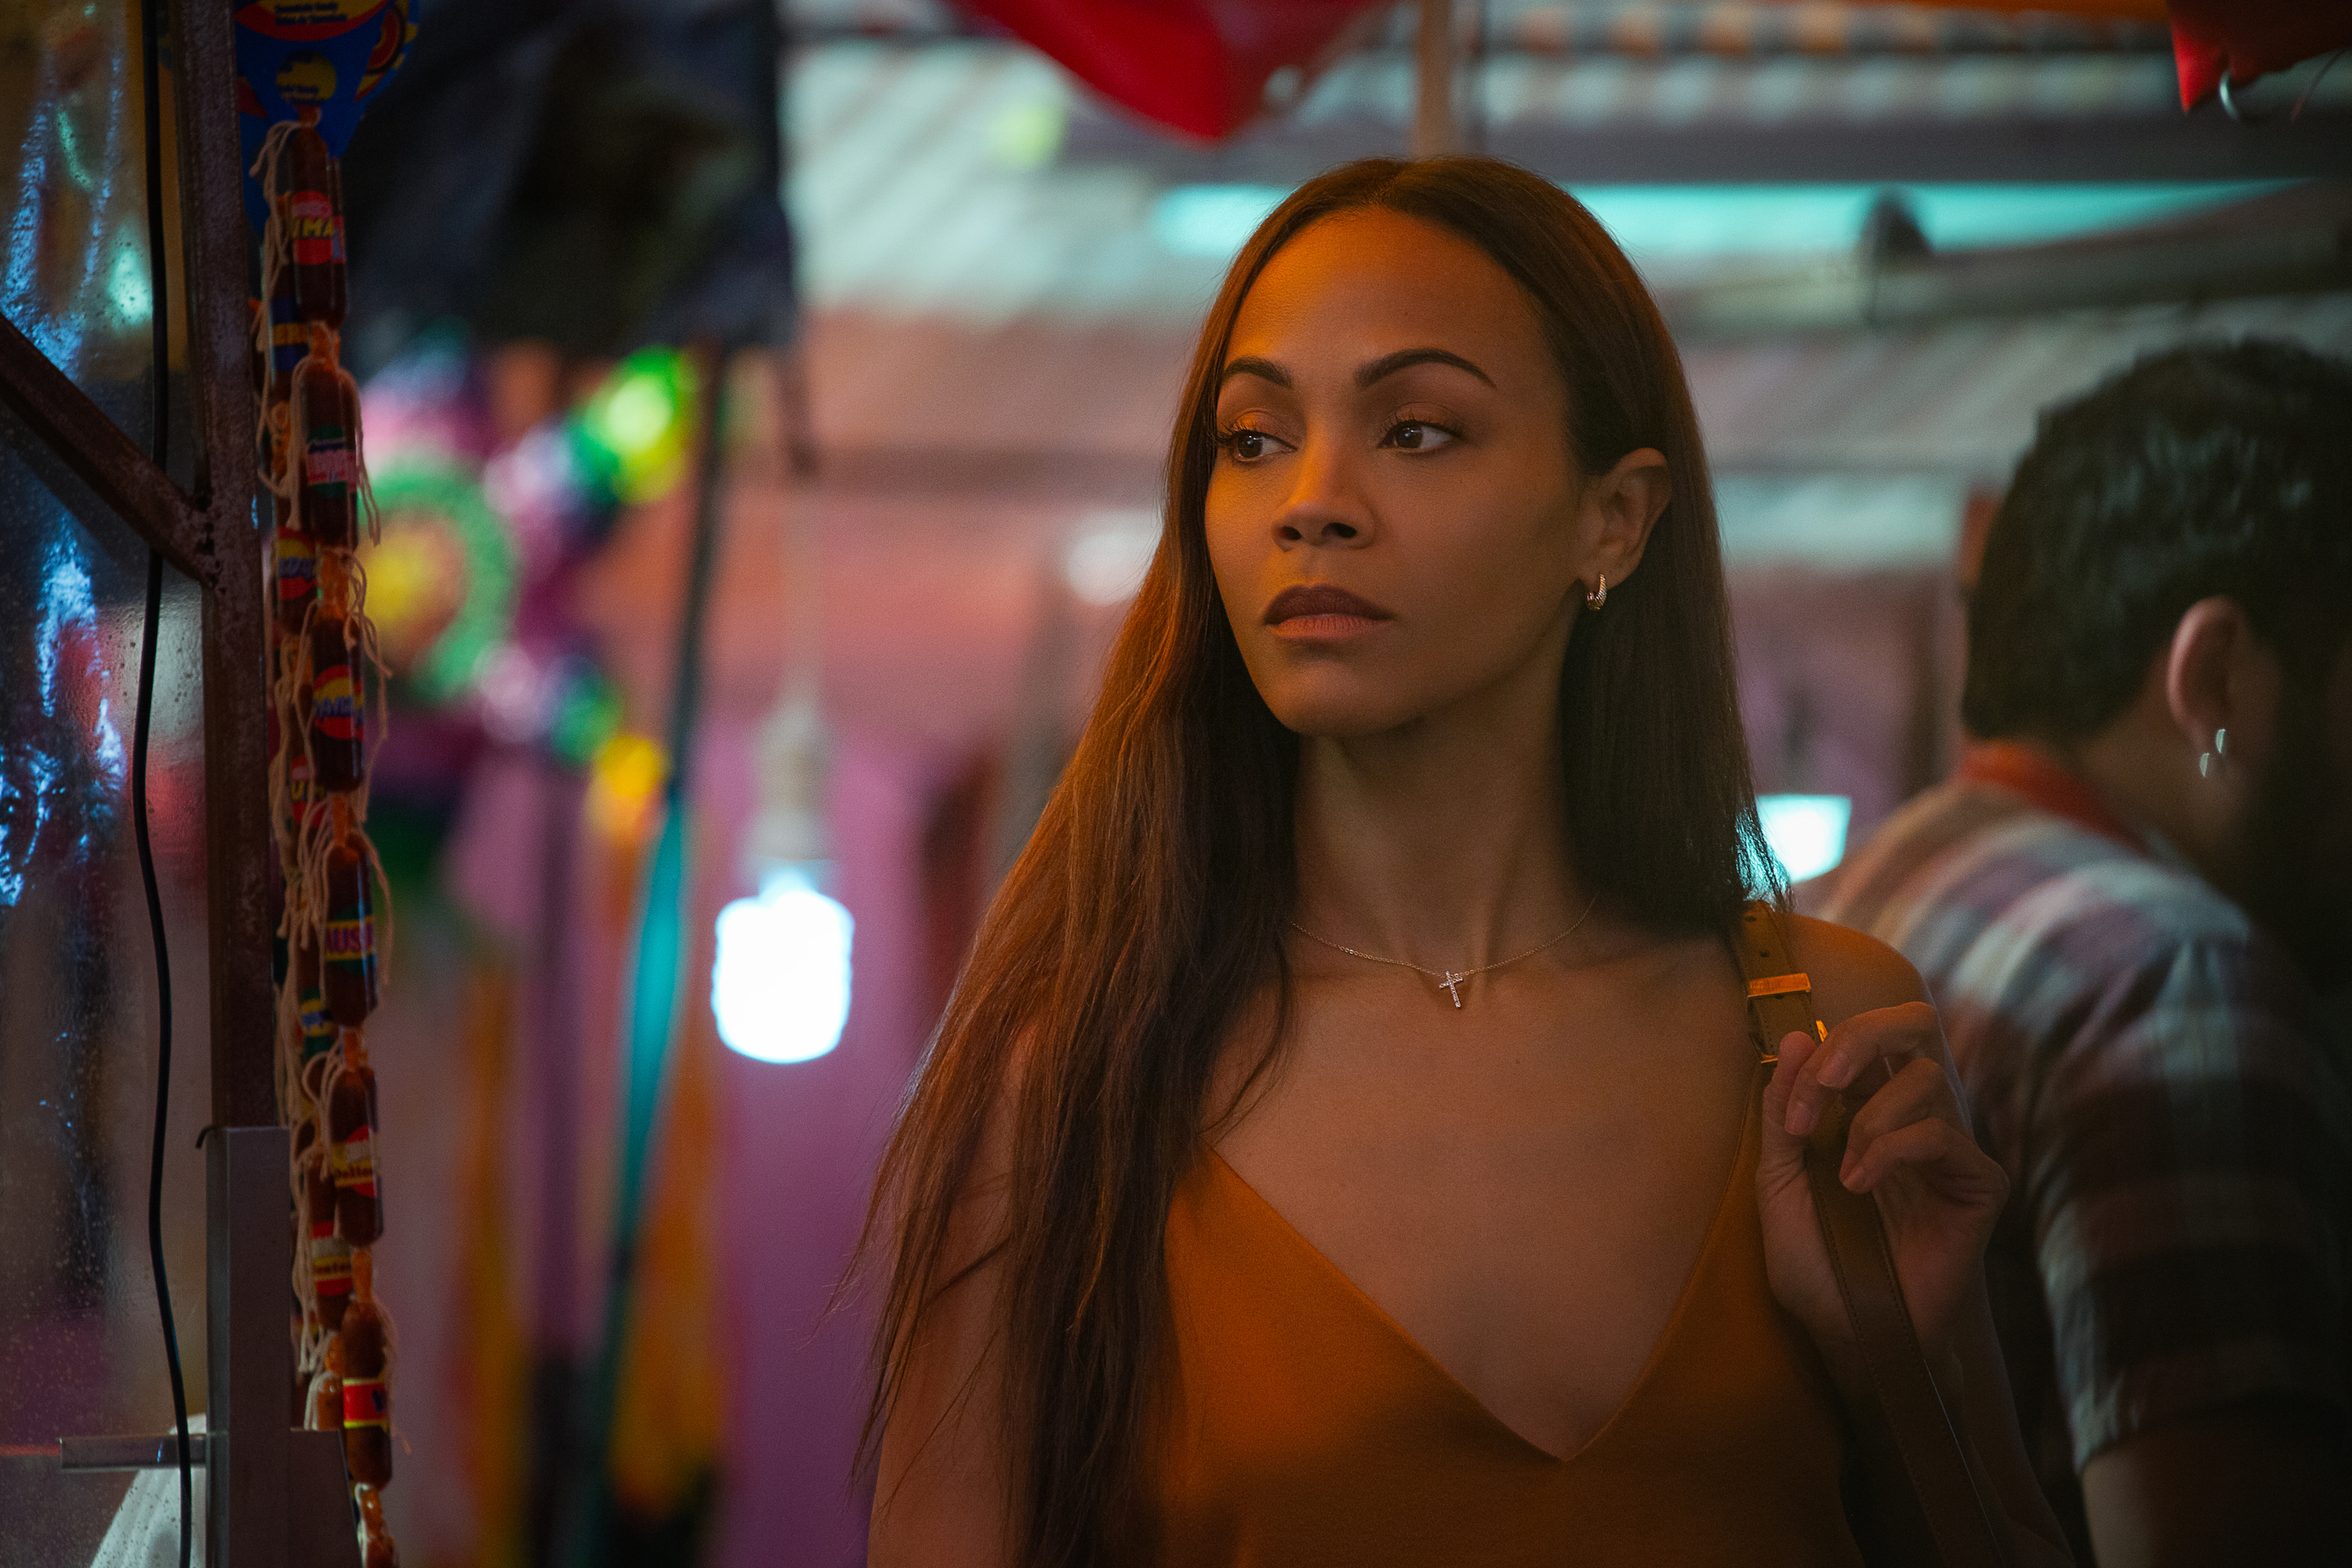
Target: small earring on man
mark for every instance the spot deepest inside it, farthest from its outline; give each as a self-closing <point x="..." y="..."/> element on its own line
<point x="1596" y="598"/>
<point x="2208" y="761"/>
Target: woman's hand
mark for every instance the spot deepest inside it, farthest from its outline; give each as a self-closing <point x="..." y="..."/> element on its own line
<point x="1909" y="1145"/>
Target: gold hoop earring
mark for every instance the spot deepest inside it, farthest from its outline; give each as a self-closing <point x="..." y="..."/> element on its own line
<point x="1596" y="598"/>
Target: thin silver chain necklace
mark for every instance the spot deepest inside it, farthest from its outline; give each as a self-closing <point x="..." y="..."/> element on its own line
<point x="1449" y="979"/>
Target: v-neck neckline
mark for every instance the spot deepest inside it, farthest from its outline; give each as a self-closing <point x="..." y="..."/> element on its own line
<point x="1741" y="1164"/>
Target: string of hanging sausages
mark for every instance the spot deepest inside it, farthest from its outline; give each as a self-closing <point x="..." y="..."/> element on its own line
<point x="326" y="711"/>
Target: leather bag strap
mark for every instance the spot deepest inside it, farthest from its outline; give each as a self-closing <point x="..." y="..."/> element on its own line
<point x="1948" y="1518"/>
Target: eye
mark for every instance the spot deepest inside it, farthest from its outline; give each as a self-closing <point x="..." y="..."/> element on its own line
<point x="1417" y="436"/>
<point x="1244" y="444"/>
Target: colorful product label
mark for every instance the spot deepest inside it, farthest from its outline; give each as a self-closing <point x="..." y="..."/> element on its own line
<point x="289" y="337"/>
<point x="366" y="1402"/>
<point x="349" y="941"/>
<point x="353" y="1165"/>
<point x="329" y="465"/>
<point x="298" y="570"/>
<point x="306" y="20"/>
<point x="311" y="217"/>
<point x="318" y="1028"/>
<point x="300" y="797"/>
<point x="334" y="708"/>
<point x="331" y="1261"/>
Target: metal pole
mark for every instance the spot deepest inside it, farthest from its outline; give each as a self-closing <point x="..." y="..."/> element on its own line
<point x="658" y="981"/>
<point x="249" y="1256"/>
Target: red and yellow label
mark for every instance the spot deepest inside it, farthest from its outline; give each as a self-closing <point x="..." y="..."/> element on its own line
<point x="334" y="707"/>
<point x="331" y="1261"/>
<point x="366" y="1402"/>
<point x="353" y="1165"/>
<point x="297" y="570"/>
<point x="391" y="48"/>
<point x="311" y="217"/>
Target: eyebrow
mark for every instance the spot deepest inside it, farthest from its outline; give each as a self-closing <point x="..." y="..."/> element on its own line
<point x="1405" y="359"/>
<point x="1250" y="364"/>
<point x="1379" y="369"/>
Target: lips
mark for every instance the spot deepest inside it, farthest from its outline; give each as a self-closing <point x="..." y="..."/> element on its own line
<point x="1322" y="602"/>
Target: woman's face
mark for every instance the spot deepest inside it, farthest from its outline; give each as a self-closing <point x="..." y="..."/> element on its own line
<point x="1395" y="519"/>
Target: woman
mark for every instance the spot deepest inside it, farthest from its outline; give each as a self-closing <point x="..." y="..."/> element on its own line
<point x="1346" y="1144"/>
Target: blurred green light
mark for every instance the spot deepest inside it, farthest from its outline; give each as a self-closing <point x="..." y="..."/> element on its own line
<point x="635" y="426"/>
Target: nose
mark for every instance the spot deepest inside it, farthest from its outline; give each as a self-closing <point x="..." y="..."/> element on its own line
<point x="1324" y="506"/>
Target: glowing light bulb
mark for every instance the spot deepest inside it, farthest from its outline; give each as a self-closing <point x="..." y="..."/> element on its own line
<point x="1806" y="832"/>
<point x="779" y="986"/>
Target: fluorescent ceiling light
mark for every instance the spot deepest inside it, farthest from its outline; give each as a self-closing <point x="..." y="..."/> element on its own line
<point x="1686" y="223"/>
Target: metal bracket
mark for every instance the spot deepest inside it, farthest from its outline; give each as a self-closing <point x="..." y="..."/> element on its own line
<point x="157" y="1453"/>
<point x="322" y="1526"/>
<point x="278" y="1496"/>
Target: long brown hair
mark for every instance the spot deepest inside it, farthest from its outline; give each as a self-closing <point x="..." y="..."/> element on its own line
<point x="1150" y="904"/>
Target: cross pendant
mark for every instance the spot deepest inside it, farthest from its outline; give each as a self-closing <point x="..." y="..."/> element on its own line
<point x="1452" y="986"/>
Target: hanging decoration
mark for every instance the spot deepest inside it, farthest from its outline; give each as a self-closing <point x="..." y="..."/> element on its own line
<point x="329" y="56"/>
<point x="1199" y="66"/>
<point x="443" y="580"/>
<point x="2220" y="43"/>
<point x="304" y="67"/>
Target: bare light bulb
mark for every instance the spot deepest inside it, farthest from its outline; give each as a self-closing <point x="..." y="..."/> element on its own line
<point x="779" y="986"/>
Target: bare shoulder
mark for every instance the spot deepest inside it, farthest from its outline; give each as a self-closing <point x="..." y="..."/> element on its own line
<point x="1851" y="972"/>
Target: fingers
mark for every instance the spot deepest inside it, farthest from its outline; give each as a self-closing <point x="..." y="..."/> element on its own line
<point x="1897" y="1125"/>
<point x="1932" y="1148"/>
<point x="1862" y="1054"/>
<point x="1796" y="1050"/>
<point x="1780" y="1158"/>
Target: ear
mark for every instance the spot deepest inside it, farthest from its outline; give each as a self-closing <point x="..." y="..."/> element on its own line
<point x="2219" y="677"/>
<point x="1620" y="507"/>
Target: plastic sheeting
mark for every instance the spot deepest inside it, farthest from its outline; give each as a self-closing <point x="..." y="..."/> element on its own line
<point x="80" y="1347"/>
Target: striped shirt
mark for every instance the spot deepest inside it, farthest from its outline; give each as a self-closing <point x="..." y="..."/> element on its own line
<point x="2153" y="1073"/>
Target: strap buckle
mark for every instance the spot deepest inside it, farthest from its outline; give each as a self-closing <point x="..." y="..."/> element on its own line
<point x="1780" y="984"/>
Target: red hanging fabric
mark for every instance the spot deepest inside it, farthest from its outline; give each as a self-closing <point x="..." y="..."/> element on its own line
<point x="1196" y="65"/>
<point x="2246" y="39"/>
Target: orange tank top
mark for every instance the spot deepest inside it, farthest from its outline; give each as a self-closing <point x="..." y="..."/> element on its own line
<point x="1303" y="1426"/>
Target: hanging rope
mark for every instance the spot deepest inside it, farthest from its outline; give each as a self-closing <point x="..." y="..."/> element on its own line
<point x="327" y="717"/>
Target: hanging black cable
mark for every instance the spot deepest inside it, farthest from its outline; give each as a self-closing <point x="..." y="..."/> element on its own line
<point x="150" y="25"/>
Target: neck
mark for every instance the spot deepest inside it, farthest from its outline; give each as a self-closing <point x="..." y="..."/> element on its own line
<point x="1441" y="843"/>
<point x="2145" y="772"/>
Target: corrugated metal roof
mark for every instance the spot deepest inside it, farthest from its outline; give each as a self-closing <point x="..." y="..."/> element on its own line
<point x="1674" y="91"/>
<point x="1955" y="398"/>
<point x="970" y="176"/>
<point x="921" y="182"/>
<point x="989" y="320"/>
